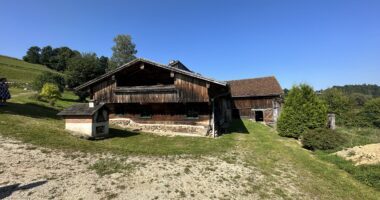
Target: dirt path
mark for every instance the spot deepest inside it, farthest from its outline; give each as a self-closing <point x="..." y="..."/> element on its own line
<point x="30" y="172"/>
<point x="361" y="155"/>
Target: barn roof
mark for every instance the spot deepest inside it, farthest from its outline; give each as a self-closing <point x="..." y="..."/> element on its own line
<point x="264" y="86"/>
<point x="81" y="109"/>
<point x="167" y="67"/>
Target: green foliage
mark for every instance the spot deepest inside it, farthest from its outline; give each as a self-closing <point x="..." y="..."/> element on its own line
<point x="359" y="99"/>
<point x="337" y="103"/>
<point x="124" y="51"/>
<point x="365" y="89"/>
<point x="60" y="57"/>
<point x="303" y="110"/>
<point x="50" y="92"/>
<point x="49" y="77"/>
<point x="33" y="55"/>
<point x="81" y="69"/>
<point x="322" y="139"/>
<point x="371" y="112"/>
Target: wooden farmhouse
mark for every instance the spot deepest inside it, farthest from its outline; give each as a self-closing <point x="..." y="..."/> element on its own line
<point x="152" y="97"/>
<point x="171" y="99"/>
<point x="258" y="99"/>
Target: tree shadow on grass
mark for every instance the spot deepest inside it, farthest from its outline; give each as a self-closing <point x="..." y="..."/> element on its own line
<point x="30" y="110"/>
<point x="7" y="191"/>
<point x="121" y="133"/>
<point x="70" y="100"/>
<point x="237" y="126"/>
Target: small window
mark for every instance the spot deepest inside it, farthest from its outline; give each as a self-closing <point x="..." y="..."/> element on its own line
<point x="146" y="113"/>
<point x="192" y="114"/>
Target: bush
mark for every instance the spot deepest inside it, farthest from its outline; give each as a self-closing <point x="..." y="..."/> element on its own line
<point x="322" y="139"/>
<point x="371" y="112"/>
<point x="50" y="92"/>
<point x="303" y="110"/>
<point x="49" y="77"/>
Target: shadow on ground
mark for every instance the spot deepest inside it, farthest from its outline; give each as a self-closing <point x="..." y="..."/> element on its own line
<point x="7" y="191"/>
<point x="30" y="110"/>
<point x="120" y="133"/>
<point x="237" y="126"/>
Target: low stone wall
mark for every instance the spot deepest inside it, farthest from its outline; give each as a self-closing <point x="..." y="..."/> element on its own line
<point x="162" y="129"/>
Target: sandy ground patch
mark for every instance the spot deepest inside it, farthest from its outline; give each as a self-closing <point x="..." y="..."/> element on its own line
<point x="30" y="172"/>
<point x="361" y="155"/>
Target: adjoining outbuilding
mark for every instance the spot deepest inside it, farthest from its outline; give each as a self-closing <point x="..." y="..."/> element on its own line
<point x="258" y="99"/>
<point x="89" y="120"/>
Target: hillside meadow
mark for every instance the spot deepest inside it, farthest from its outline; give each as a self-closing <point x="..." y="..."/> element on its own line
<point x="16" y="70"/>
<point x="286" y="170"/>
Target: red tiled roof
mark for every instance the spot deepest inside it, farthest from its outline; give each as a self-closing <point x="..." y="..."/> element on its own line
<point x="265" y="86"/>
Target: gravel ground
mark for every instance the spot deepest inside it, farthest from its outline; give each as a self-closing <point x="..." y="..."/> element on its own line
<point x="30" y="172"/>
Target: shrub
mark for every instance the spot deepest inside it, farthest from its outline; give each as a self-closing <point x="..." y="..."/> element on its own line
<point x="303" y="110"/>
<point x="50" y="92"/>
<point x="371" y="112"/>
<point x="322" y="139"/>
<point x="49" y="77"/>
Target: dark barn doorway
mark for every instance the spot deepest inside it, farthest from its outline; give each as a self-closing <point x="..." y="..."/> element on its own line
<point x="259" y="116"/>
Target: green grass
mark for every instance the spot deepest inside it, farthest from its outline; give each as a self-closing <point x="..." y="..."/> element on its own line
<point x="36" y="122"/>
<point x="109" y="166"/>
<point x="282" y="162"/>
<point x="368" y="174"/>
<point x="16" y="70"/>
<point x="360" y="136"/>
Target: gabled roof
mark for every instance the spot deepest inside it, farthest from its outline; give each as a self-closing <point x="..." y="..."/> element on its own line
<point x="264" y="86"/>
<point x="81" y="109"/>
<point x="184" y="72"/>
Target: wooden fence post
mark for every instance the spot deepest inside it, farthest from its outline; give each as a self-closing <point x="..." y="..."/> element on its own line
<point x="331" y="121"/>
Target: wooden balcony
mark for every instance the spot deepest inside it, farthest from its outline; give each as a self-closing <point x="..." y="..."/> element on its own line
<point x="147" y="89"/>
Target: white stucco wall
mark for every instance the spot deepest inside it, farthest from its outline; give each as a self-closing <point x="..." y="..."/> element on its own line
<point x="80" y="128"/>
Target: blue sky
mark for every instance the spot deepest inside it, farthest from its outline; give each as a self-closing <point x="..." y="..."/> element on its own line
<point x="320" y="42"/>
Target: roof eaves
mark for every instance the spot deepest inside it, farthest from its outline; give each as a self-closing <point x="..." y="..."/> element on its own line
<point x="88" y="83"/>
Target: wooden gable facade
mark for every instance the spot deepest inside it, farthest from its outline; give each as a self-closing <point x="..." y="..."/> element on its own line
<point x="146" y="92"/>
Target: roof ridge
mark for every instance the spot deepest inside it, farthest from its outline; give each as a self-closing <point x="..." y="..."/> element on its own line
<point x="263" y="77"/>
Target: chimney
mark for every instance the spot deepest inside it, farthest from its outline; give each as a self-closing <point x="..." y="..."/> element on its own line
<point x="172" y="63"/>
<point x="92" y="103"/>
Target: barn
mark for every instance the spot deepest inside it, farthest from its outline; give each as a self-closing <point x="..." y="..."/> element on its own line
<point x="258" y="99"/>
<point x="148" y="96"/>
<point x="171" y="99"/>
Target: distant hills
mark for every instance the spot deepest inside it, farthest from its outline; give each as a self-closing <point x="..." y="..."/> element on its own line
<point x="366" y="89"/>
<point x="16" y="70"/>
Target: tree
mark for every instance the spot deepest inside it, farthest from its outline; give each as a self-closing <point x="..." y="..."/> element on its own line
<point x="33" y="55"/>
<point x="337" y="103"/>
<point x="49" y="77"/>
<point x="371" y="112"/>
<point x="103" y="62"/>
<point x="81" y="69"/>
<point x="60" y="58"/>
<point x="302" y="111"/>
<point x="50" y="92"/>
<point x="123" y="51"/>
<point x="46" y="55"/>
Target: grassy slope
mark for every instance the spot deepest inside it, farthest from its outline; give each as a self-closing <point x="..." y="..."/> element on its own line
<point x="283" y="163"/>
<point x="16" y="70"/>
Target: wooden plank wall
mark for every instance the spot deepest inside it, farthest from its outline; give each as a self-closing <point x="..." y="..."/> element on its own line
<point x="188" y="90"/>
<point x="191" y="89"/>
<point x="104" y="91"/>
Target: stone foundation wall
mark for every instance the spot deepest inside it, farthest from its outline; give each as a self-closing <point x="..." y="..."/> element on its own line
<point x="162" y="129"/>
